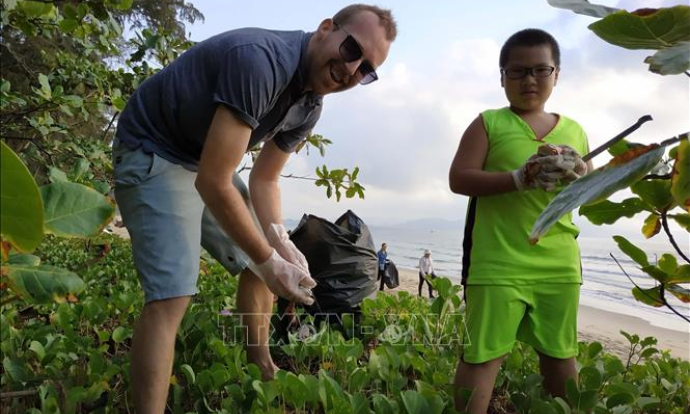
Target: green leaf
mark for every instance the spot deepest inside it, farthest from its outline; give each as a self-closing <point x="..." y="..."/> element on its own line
<point x="679" y="292"/>
<point x="583" y="7"/>
<point x="75" y="210"/>
<point x="80" y="167"/>
<point x="43" y="284"/>
<point x="651" y="226"/>
<point x="650" y="297"/>
<point x="663" y="28"/>
<point x="648" y="403"/>
<point x="621" y="147"/>
<point x="682" y="219"/>
<point x="608" y="212"/>
<point x="5" y="86"/>
<point x="654" y="192"/>
<point x="593" y="349"/>
<point x="68" y="25"/>
<point x="35" y="8"/>
<point x="656" y="273"/>
<point x="541" y="407"/>
<point x="9" y="5"/>
<point x="188" y="373"/>
<point x="634" y="252"/>
<point x="119" y="103"/>
<point x="590" y="378"/>
<point x="121" y="333"/>
<point x="16" y="369"/>
<point x="622" y="398"/>
<point x="55" y="174"/>
<point x="21" y="209"/>
<point x="359" y="378"/>
<point x="668" y="263"/>
<point x="672" y="60"/>
<point x="680" y="177"/>
<point x="594" y="187"/>
<point x="382" y="405"/>
<point x="24" y="260"/>
<point x="414" y="402"/>
<point x="45" y="85"/>
<point x="681" y="275"/>
<point x="562" y="406"/>
<point x="38" y="349"/>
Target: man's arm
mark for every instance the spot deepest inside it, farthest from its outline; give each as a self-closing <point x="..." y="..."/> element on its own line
<point x="225" y="145"/>
<point x="263" y="184"/>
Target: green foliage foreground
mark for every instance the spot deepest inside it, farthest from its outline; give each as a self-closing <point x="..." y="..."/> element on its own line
<point x="399" y="358"/>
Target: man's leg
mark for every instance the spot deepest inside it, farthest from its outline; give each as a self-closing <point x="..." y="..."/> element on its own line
<point x="255" y="305"/>
<point x="162" y="212"/>
<point x="556" y="372"/>
<point x="479" y="378"/>
<point x="153" y="347"/>
<point x="431" y="289"/>
<point x="254" y="299"/>
<point x="421" y="283"/>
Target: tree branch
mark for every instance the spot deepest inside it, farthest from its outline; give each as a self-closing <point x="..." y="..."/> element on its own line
<point x="33" y="141"/>
<point x="13" y="394"/>
<point x="633" y="282"/>
<point x="664" y="224"/>
<point x="109" y="125"/>
<point x="661" y="294"/>
<point x="657" y="177"/>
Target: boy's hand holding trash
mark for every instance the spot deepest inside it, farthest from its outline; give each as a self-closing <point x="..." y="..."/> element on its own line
<point x="285" y="272"/>
<point x="550" y="166"/>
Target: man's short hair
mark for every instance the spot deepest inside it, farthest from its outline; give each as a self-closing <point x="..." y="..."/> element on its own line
<point x="385" y="18"/>
<point x="530" y="37"/>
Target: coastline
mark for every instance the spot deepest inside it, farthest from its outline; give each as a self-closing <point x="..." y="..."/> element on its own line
<point x="595" y="324"/>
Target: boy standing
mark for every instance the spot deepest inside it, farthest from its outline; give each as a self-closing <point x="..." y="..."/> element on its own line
<point x="514" y="290"/>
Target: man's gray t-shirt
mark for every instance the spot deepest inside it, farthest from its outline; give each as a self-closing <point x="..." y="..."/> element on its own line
<point x="258" y="74"/>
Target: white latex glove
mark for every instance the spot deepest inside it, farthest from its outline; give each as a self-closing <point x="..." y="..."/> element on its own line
<point x="285" y="279"/>
<point x="536" y="173"/>
<point x="279" y="239"/>
<point x="550" y="166"/>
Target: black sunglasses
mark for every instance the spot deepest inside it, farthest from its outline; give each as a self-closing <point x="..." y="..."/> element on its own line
<point x="350" y="51"/>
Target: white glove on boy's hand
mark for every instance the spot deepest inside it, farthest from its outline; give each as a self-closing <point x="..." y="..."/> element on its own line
<point x="550" y="166"/>
<point x="279" y="239"/>
<point x="285" y="279"/>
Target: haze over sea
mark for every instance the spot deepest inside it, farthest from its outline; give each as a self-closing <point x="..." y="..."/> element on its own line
<point x="605" y="286"/>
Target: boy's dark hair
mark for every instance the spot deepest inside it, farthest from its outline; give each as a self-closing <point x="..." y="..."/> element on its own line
<point x="530" y="37"/>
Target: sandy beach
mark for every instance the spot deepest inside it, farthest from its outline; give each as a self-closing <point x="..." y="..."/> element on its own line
<point x="595" y="325"/>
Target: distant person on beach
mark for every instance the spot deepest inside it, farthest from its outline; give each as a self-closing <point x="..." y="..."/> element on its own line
<point x="426" y="268"/>
<point x="515" y="291"/>
<point x="179" y="142"/>
<point x="383" y="263"/>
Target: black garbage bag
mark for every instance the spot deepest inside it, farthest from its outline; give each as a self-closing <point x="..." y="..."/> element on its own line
<point x="390" y="275"/>
<point x="342" y="259"/>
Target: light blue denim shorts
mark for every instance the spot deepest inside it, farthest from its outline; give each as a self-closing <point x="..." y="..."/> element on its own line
<point x="168" y="223"/>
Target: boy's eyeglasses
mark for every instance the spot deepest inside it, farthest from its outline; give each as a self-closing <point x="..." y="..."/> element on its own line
<point x="537" y="72"/>
<point x="350" y="51"/>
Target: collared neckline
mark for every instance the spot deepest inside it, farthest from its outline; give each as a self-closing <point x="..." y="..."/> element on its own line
<point x="310" y="98"/>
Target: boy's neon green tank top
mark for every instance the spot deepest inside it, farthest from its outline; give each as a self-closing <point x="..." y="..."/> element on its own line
<point x="496" y="247"/>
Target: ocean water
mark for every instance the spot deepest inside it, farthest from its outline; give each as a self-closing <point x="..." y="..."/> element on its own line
<point x="604" y="286"/>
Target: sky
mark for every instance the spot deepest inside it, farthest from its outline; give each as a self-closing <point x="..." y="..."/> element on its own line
<point x="442" y="71"/>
